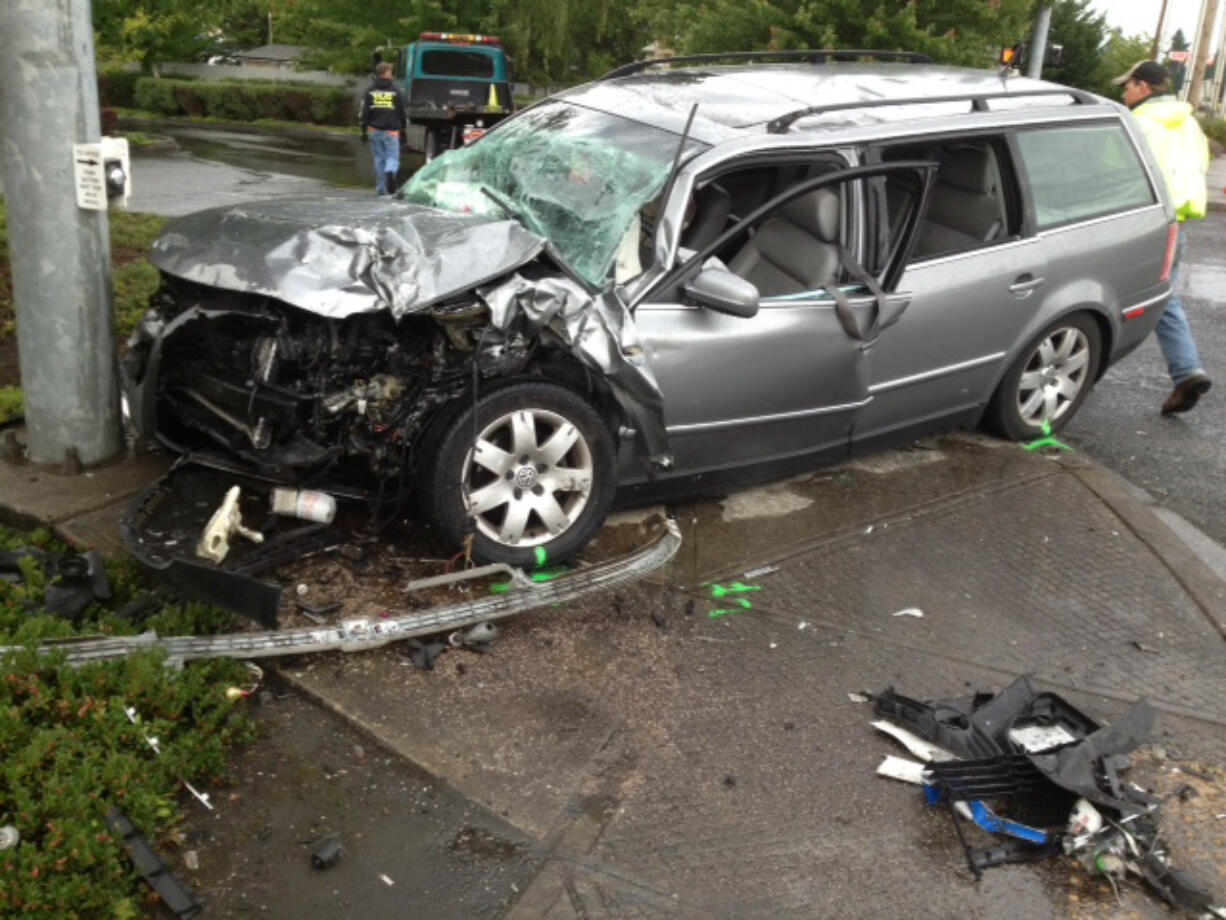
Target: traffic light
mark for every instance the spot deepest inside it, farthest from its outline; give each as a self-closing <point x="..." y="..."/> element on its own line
<point x="1011" y="57"/>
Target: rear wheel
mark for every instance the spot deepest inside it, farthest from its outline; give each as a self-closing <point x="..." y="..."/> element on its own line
<point x="1049" y="380"/>
<point x="537" y="480"/>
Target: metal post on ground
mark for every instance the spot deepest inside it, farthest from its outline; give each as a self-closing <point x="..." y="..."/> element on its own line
<point x="1038" y="44"/>
<point x="59" y="253"/>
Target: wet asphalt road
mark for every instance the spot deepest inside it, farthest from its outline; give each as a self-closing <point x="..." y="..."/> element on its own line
<point x="1180" y="460"/>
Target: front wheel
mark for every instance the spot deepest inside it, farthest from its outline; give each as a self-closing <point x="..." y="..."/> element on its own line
<point x="1049" y="380"/>
<point x="533" y="466"/>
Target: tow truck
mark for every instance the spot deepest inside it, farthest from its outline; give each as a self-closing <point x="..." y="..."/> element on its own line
<point x="456" y="87"/>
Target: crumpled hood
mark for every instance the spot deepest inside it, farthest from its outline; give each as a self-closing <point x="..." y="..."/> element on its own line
<point x="338" y="256"/>
<point x="1168" y="111"/>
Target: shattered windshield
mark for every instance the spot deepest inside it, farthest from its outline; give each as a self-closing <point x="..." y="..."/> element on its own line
<point x="574" y="175"/>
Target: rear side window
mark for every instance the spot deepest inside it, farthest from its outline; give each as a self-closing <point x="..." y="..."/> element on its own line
<point x="457" y="64"/>
<point x="1082" y="171"/>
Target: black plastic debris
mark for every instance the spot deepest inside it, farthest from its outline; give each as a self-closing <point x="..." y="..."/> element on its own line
<point x="180" y="899"/>
<point x="477" y="638"/>
<point x="1046" y="777"/>
<point x="162" y="526"/>
<point x="424" y="652"/>
<point x="327" y="853"/>
<point x="74" y="580"/>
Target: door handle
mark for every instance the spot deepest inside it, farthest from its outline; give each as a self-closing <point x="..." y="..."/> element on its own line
<point x="1024" y="285"/>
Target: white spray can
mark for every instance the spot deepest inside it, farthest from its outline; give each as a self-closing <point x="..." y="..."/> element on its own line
<point x="304" y="503"/>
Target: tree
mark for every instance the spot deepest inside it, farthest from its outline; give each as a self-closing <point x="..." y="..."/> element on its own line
<point x="149" y="32"/>
<point x="1118" y="54"/>
<point x="1082" y="31"/>
<point x="955" y="31"/>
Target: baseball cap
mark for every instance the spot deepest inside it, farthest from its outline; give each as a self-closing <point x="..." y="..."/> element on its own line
<point x="1150" y="72"/>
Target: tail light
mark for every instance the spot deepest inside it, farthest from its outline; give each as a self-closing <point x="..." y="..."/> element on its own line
<point x="1172" y="240"/>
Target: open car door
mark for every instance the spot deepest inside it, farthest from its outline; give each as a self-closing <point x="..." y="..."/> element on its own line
<point x="761" y="340"/>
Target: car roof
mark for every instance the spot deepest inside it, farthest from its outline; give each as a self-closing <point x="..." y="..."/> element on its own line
<point x="734" y="101"/>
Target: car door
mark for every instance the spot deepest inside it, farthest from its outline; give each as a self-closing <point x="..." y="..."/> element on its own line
<point x="976" y="282"/>
<point x="788" y="381"/>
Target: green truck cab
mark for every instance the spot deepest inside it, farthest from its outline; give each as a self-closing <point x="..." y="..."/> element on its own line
<point x="456" y="86"/>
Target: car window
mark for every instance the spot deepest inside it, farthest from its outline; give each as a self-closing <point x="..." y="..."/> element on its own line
<point x="1081" y="172"/>
<point x="448" y="63"/>
<point x="795" y="248"/>
<point x="971" y="203"/>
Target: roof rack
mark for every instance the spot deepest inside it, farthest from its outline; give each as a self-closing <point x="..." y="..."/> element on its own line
<point x="815" y="56"/>
<point x="979" y="103"/>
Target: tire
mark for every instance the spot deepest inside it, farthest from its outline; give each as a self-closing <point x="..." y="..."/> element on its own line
<point x="1049" y="380"/>
<point x="528" y="499"/>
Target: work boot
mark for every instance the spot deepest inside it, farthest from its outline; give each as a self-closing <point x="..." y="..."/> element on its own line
<point x="1186" y="394"/>
<point x="390" y="180"/>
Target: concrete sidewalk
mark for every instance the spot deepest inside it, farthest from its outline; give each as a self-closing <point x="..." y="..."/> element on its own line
<point x="666" y="762"/>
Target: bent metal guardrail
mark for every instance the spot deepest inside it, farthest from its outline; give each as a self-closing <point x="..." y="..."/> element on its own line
<point x="361" y="633"/>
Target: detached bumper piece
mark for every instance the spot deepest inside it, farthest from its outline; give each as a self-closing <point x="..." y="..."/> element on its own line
<point x="1046" y="777"/>
<point x="162" y="527"/>
<point x="361" y="633"/>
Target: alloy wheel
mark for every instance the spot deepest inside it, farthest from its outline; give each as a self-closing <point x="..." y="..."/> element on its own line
<point x="1054" y="375"/>
<point x="527" y="478"/>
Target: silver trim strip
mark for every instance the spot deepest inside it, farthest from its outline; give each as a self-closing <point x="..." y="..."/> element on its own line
<point x="916" y="265"/>
<point x="938" y="372"/>
<point x="765" y="419"/>
<point x="1090" y="221"/>
<point x="1146" y="304"/>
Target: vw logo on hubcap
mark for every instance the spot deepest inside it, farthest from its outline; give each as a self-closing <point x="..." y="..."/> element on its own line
<point x="525" y="477"/>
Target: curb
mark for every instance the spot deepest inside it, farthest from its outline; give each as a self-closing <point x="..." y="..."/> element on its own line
<point x="1139" y="511"/>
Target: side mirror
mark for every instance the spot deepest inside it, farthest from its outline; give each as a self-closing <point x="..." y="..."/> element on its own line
<point x="723" y="292"/>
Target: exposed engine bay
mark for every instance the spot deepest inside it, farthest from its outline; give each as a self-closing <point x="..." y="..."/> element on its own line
<point x="301" y="397"/>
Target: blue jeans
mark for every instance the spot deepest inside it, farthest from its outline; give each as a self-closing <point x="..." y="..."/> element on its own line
<point x="1174" y="334"/>
<point x="385" y="147"/>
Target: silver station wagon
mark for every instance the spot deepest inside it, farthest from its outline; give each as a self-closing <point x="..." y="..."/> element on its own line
<point x="662" y="283"/>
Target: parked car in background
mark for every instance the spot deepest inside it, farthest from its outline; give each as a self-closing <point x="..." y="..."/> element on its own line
<point x="667" y="282"/>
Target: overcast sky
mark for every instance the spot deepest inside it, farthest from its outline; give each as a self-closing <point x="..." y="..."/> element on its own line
<point x="1137" y="16"/>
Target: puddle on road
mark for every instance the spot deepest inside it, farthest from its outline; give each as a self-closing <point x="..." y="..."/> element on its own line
<point x="1206" y="282"/>
<point x="772" y="501"/>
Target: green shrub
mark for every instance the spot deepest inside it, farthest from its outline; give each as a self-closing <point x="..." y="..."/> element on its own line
<point x="1214" y="128"/>
<point x="154" y="95"/>
<point x="68" y="751"/>
<point x="12" y="403"/>
<point x="117" y="87"/>
<point x="247" y="100"/>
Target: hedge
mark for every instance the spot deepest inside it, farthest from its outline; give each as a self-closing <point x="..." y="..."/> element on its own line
<point x="117" y="88"/>
<point x="237" y="100"/>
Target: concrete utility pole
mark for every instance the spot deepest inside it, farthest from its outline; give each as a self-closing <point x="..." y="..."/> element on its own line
<point x="1203" y="45"/>
<point x="60" y="253"/>
<point x="1038" y="44"/>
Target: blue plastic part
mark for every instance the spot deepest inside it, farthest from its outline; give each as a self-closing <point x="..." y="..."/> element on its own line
<point x="986" y="819"/>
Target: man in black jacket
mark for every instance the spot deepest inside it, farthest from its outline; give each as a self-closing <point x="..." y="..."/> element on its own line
<point x="382" y="121"/>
